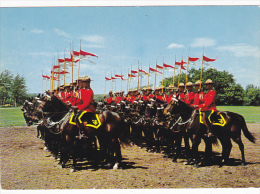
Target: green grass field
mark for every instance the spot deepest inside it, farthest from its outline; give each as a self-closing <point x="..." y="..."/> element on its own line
<point x="11" y="117"/>
<point x="14" y="116"/>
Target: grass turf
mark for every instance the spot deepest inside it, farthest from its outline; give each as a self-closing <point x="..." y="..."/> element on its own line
<point x="14" y="116"/>
<point x="11" y="117"/>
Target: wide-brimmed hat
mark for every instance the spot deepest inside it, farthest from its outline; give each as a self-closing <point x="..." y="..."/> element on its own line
<point x="162" y="88"/>
<point x="110" y="91"/>
<point x="198" y="83"/>
<point x="181" y="85"/>
<point x="171" y="87"/>
<point x="209" y="81"/>
<point x="149" y="88"/>
<point x="189" y="84"/>
<point x="80" y="78"/>
<point x="86" y="79"/>
<point x="67" y="85"/>
<point x="156" y="88"/>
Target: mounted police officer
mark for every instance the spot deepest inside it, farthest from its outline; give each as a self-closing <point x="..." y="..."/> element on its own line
<point x="171" y="93"/>
<point x="181" y="95"/>
<point x="189" y="96"/>
<point x="199" y="95"/>
<point x="209" y="104"/>
<point x="86" y="108"/>
<point x="111" y="99"/>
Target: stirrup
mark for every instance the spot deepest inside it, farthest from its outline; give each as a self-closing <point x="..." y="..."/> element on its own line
<point x="81" y="136"/>
<point x="209" y="135"/>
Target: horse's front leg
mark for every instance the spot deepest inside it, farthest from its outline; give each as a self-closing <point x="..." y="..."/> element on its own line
<point x="117" y="151"/>
<point x="195" y="144"/>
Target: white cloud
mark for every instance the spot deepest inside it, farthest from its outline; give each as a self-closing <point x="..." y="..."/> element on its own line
<point x="242" y="50"/>
<point x="206" y="42"/>
<point x="61" y="33"/>
<point x="93" y="38"/>
<point x="37" y="31"/>
<point x="174" y="45"/>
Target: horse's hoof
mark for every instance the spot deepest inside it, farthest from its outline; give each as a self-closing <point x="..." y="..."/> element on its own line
<point x="116" y="166"/>
<point x="45" y="148"/>
<point x="72" y="170"/>
<point x="243" y="164"/>
<point x="109" y="165"/>
<point x="196" y="166"/>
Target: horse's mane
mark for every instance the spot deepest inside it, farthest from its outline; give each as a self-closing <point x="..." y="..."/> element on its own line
<point x="56" y="105"/>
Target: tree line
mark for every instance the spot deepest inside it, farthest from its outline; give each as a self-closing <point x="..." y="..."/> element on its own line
<point x="228" y="91"/>
<point x="13" y="90"/>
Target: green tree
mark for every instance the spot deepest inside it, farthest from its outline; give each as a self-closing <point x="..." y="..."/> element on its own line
<point x="252" y="95"/>
<point x="228" y="92"/>
<point x="18" y="89"/>
<point x="6" y="79"/>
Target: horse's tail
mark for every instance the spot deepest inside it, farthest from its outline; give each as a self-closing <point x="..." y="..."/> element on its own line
<point x="245" y="130"/>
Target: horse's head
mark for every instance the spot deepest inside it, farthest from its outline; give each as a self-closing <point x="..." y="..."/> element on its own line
<point x="176" y="107"/>
<point x="54" y="104"/>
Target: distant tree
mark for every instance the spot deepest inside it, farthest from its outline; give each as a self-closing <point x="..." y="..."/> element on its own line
<point x="228" y="92"/>
<point x="18" y="89"/>
<point x="252" y="95"/>
<point x="5" y="85"/>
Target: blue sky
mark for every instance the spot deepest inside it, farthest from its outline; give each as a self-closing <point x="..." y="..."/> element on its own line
<point x="33" y="38"/>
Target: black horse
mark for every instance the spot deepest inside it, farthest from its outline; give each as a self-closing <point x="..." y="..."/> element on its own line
<point x="109" y="133"/>
<point x="231" y="129"/>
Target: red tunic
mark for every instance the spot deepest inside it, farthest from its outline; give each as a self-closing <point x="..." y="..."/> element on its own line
<point x="67" y="96"/>
<point x="145" y="97"/>
<point x="87" y="95"/>
<point x="198" y="98"/>
<point x="169" y="98"/>
<point x="60" y="95"/>
<point x="78" y="99"/>
<point x="151" y="96"/>
<point x="189" y="98"/>
<point x="110" y="100"/>
<point x="209" y="103"/>
<point x="164" y="97"/>
<point x="118" y="99"/>
<point x="132" y="99"/>
<point x="181" y="96"/>
<point x="159" y="97"/>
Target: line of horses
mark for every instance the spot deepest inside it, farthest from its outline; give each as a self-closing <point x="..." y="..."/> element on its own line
<point x="151" y="124"/>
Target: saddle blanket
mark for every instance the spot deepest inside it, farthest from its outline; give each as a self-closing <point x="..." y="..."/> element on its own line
<point x="91" y="120"/>
<point x="214" y="118"/>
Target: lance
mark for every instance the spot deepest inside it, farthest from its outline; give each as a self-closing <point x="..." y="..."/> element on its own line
<point x="149" y="75"/>
<point x="42" y="81"/>
<point x="174" y="72"/>
<point x="79" y="64"/>
<point x="163" y="75"/>
<point x="127" y="86"/>
<point x="64" y="69"/>
<point x="180" y="72"/>
<point x="130" y="77"/>
<point x="111" y="81"/>
<point x="187" y="72"/>
<point x="201" y="68"/>
<point x="121" y="78"/>
<point x="115" y="80"/>
<point x="155" y="75"/>
<point x="141" y="77"/>
<point x="52" y="75"/>
<point x="105" y="84"/>
<point x="138" y="77"/>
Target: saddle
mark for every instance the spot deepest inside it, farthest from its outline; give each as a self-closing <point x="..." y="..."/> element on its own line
<point x="88" y="119"/>
<point x="215" y="118"/>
